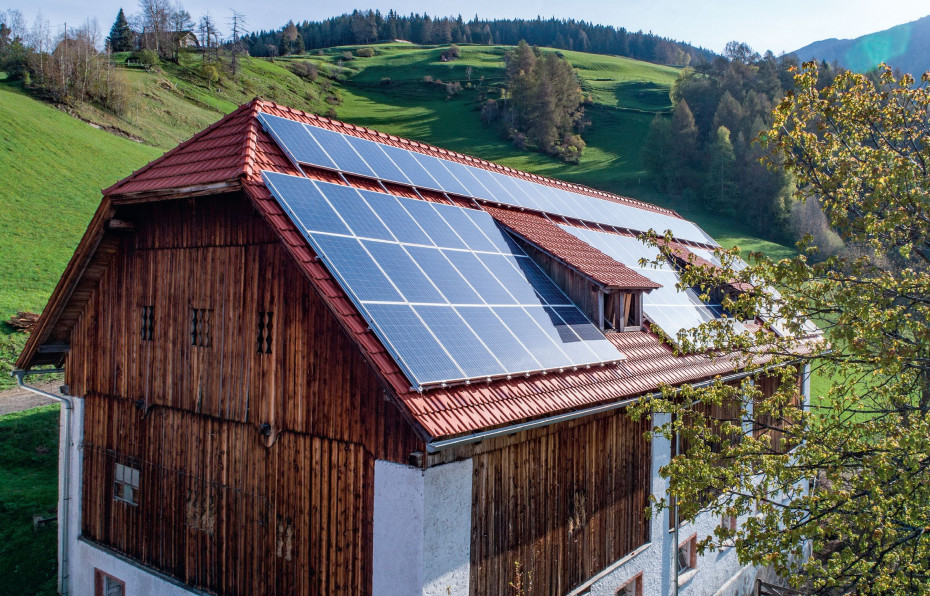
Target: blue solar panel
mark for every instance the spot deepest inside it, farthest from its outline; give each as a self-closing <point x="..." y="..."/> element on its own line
<point x="444" y="274"/>
<point x="513" y="354"/>
<point x="434" y="225"/>
<point x="367" y="158"/>
<point x="401" y="269"/>
<point x="377" y="160"/>
<point x="411" y="167"/>
<point x="470" y="353"/>
<point x="546" y="350"/>
<point x="459" y="220"/>
<point x="413" y="344"/>
<point x="434" y="282"/>
<point x="306" y="203"/>
<point x="341" y="152"/>
<point x="355" y="211"/>
<point x="295" y="139"/>
<point x="491" y="290"/>
<point x="396" y="218"/>
<point x="351" y="262"/>
<point x="443" y="176"/>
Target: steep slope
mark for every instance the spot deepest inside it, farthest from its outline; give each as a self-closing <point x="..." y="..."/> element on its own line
<point x="905" y="47"/>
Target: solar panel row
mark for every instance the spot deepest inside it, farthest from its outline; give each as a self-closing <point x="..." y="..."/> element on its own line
<point x="446" y="290"/>
<point x="668" y="307"/>
<point x="346" y="153"/>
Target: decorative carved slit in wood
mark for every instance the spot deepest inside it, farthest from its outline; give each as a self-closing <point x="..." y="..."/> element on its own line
<point x="200" y="327"/>
<point x="148" y="323"/>
<point x="265" y="326"/>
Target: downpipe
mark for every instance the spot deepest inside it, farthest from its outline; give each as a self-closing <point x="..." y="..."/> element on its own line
<point x="64" y="518"/>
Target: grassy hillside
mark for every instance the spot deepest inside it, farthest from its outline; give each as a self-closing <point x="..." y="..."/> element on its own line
<point x="388" y="92"/>
<point x="53" y="167"/>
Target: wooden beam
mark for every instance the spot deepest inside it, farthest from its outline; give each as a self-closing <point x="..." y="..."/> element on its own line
<point x="120" y="225"/>
<point x="59" y="348"/>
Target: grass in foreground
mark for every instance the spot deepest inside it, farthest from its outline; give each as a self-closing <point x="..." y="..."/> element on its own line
<point x="28" y="486"/>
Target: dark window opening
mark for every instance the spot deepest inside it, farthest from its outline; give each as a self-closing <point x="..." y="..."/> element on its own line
<point x="623" y="311"/>
<point x="148" y="323"/>
<point x="263" y="341"/>
<point x="200" y="327"/>
<point x="634" y="587"/>
<point x="125" y="484"/>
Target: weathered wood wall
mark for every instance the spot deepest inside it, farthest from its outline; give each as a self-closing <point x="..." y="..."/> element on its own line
<point x="563" y="505"/>
<point x="220" y="511"/>
<point x="192" y="416"/>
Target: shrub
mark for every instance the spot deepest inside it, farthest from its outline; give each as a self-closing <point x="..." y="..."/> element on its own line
<point x="385" y="81"/>
<point x="490" y="111"/>
<point x="305" y="70"/>
<point x="148" y="58"/>
<point x="365" y="52"/>
<point x="347" y="56"/>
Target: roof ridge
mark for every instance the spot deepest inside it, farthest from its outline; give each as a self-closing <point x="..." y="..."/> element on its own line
<point x="252" y="105"/>
<point x="352" y="128"/>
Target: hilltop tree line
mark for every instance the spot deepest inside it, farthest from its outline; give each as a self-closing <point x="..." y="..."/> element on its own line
<point x="706" y="151"/>
<point x="362" y="27"/>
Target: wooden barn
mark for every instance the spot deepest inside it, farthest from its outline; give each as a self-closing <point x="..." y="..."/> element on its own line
<point x="304" y="357"/>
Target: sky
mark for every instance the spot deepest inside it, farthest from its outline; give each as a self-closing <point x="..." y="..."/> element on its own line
<point x="777" y="25"/>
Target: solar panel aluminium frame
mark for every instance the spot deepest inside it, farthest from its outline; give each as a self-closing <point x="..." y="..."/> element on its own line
<point x="579" y="206"/>
<point x="401" y="359"/>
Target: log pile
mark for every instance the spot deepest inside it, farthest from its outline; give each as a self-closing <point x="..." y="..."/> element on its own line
<point x="24" y="321"/>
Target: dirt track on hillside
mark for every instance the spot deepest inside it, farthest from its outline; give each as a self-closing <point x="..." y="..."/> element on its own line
<point x="17" y="399"/>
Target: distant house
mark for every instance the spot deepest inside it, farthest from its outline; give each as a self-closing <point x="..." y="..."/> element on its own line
<point x="312" y="358"/>
<point x="146" y="40"/>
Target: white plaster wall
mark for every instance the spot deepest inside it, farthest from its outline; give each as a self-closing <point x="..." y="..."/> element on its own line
<point x="138" y="579"/>
<point x="447" y="529"/>
<point x="422" y="529"/>
<point x="398" y="529"/>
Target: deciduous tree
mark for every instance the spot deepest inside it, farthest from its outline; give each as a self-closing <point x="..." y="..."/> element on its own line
<point x="862" y="149"/>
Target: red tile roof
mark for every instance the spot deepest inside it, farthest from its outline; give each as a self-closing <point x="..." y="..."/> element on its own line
<point x="233" y="152"/>
<point x="575" y="252"/>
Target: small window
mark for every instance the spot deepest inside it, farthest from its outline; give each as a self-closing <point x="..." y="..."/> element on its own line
<point x="634" y="587"/>
<point x="728" y="522"/>
<point x="200" y="327"/>
<point x="263" y="341"/>
<point x="107" y="585"/>
<point x="125" y="484"/>
<point x="148" y="323"/>
<point x="687" y="555"/>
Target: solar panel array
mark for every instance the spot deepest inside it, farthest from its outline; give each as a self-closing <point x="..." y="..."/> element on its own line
<point x="445" y="289"/>
<point x="346" y="153"/>
<point x="668" y="307"/>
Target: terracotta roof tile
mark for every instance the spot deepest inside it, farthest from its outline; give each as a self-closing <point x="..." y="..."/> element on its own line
<point x="577" y="253"/>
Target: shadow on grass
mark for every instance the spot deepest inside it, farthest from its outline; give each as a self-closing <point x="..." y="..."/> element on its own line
<point x="28" y="487"/>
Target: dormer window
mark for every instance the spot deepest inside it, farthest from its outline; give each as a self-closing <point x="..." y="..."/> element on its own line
<point x="623" y="310"/>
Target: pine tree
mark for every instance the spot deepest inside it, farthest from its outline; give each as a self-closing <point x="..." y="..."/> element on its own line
<point x="120" y="39"/>
<point x="720" y="189"/>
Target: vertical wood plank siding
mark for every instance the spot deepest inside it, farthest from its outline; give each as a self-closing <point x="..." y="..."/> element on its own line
<point x="563" y="505"/>
<point x="219" y="508"/>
